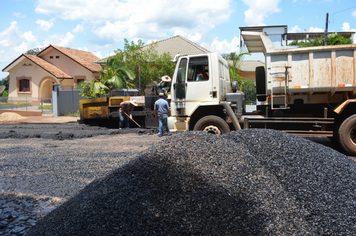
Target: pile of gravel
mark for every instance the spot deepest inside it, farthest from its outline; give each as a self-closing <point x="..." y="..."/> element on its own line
<point x="251" y="182"/>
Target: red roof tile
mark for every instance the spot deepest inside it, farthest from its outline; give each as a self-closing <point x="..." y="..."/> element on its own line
<point x="55" y="71"/>
<point x="86" y="59"/>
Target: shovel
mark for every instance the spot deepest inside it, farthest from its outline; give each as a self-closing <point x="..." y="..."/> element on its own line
<point x="132" y="119"/>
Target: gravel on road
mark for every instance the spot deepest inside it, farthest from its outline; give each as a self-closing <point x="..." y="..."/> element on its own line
<point x="62" y="131"/>
<point x="39" y="174"/>
<point x="250" y="182"/>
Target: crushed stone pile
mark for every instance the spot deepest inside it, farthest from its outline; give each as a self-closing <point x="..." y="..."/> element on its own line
<point x="251" y="182"/>
<point x="9" y="116"/>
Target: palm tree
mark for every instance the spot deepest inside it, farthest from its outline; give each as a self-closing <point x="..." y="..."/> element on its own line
<point x="236" y="65"/>
<point x="114" y="75"/>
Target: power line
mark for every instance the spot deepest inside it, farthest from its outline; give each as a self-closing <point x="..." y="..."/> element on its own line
<point x="332" y="15"/>
<point x="344" y="10"/>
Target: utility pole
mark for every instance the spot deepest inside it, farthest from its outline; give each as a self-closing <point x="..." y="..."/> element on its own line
<point x="139" y="78"/>
<point x="326" y="29"/>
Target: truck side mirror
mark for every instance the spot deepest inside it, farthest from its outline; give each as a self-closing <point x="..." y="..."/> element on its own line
<point x="235" y="86"/>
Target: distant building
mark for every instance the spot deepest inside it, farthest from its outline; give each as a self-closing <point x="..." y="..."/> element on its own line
<point x="173" y="46"/>
<point x="31" y="77"/>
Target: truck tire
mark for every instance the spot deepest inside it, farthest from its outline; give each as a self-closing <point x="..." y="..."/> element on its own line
<point x="213" y="125"/>
<point x="347" y="135"/>
<point x="261" y="83"/>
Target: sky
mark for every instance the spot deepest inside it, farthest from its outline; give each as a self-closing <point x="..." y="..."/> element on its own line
<point x="100" y="26"/>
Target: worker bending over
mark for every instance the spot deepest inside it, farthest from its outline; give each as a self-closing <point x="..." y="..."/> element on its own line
<point x="126" y="111"/>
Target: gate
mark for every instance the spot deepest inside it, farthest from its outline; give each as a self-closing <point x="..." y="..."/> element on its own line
<point x="65" y="100"/>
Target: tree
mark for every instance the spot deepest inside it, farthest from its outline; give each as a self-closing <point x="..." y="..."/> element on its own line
<point x="113" y="75"/>
<point x="127" y="68"/>
<point x="333" y="39"/>
<point x="145" y="62"/>
<point x="33" y="51"/>
<point x="5" y="82"/>
<point x="235" y="68"/>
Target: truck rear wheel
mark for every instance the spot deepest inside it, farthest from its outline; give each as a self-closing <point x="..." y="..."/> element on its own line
<point x="347" y="135"/>
<point x="213" y="125"/>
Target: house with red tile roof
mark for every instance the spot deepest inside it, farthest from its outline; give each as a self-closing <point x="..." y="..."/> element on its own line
<point x="32" y="77"/>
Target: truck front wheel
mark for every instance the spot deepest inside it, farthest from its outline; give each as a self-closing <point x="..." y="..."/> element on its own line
<point x="213" y="125"/>
<point x="347" y="135"/>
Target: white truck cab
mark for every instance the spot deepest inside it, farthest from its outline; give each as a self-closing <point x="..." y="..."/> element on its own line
<point x="200" y="83"/>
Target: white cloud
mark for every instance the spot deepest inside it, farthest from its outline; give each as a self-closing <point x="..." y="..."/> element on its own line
<point x="10" y="34"/>
<point x="19" y="15"/>
<point x="83" y="49"/>
<point x="60" y="40"/>
<point x="66" y="40"/>
<point x="78" y="28"/>
<point x="28" y="41"/>
<point x="345" y="26"/>
<point x="145" y="19"/>
<point x="45" y="25"/>
<point x="312" y="29"/>
<point x="354" y="13"/>
<point x="295" y="29"/>
<point x="29" y="37"/>
<point x="98" y="54"/>
<point x="223" y="46"/>
<point x="259" y="10"/>
<point x="14" y="42"/>
<point x="12" y="37"/>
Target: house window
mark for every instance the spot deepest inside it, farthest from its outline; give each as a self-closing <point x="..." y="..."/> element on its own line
<point x="51" y="57"/>
<point x="57" y="57"/>
<point x="24" y="85"/>
<point x="79" y="79"/>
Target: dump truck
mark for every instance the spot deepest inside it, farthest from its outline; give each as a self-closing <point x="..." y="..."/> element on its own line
<point x="304" y="91"/>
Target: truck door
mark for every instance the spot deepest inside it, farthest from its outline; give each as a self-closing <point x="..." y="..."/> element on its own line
<point x="192" y="85"/>
<point x="179" y="89"/>
<point x="199" y="83"/>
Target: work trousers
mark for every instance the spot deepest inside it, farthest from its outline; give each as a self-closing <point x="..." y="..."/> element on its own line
<point x="124" y="121"/>
<point x="162" y="119"/>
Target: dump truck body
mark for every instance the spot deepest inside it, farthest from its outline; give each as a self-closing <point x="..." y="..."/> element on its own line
<point x="314" y="75"/>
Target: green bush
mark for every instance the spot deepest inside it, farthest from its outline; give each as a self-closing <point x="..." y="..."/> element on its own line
<point x="5" y="94"/>
<point x="22" y="104"/>
<point x="76" y="114"/>
<point x="45" y="107"/>
<point x="7" y="105"/>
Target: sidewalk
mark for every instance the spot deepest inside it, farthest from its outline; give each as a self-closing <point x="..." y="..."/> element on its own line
<point x="42" y="119"/>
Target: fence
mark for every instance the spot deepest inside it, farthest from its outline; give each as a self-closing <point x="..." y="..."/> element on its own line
<point x="66" y="100"/>
<point x="42" y="104"/>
